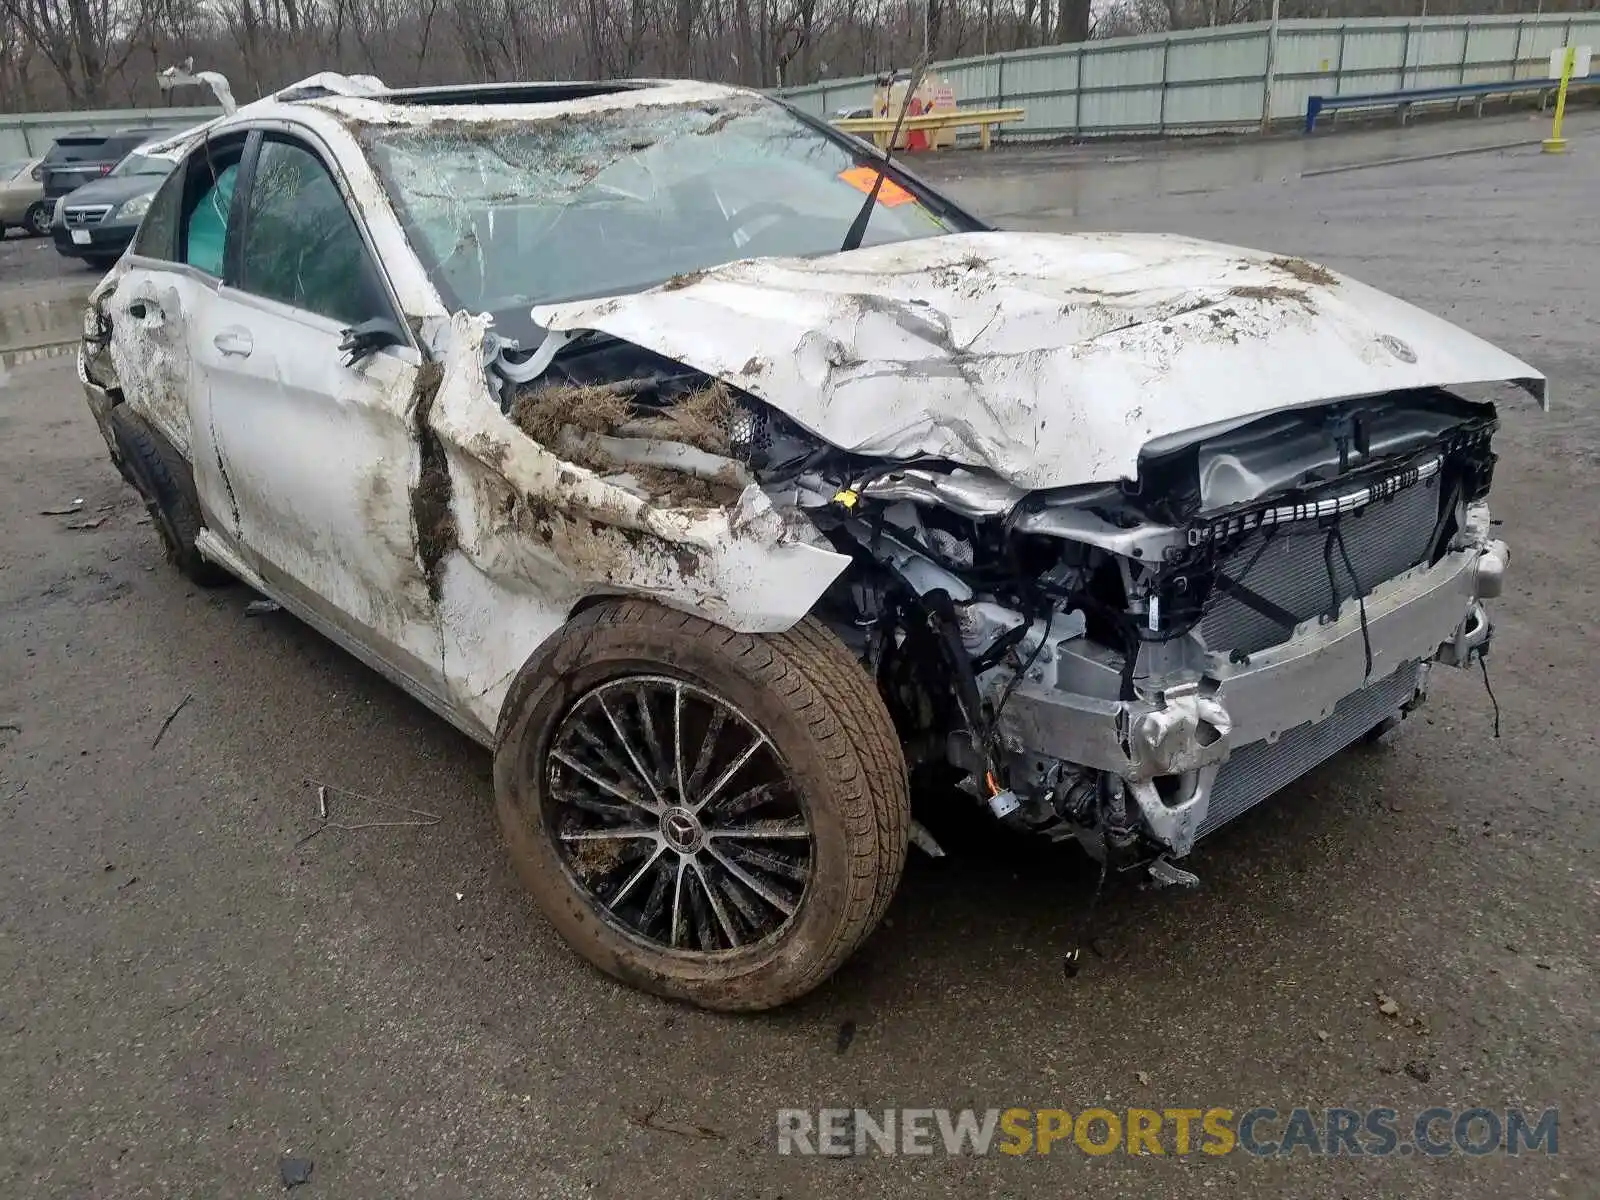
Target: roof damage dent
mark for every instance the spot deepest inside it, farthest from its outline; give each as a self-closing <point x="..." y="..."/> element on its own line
<point x="361" y="110"/>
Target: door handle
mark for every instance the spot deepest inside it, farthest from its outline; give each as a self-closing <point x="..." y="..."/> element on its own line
<point x="234" y="341"/>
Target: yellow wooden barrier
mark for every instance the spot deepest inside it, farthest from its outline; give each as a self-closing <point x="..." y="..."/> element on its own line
<point x="882" y="128"/>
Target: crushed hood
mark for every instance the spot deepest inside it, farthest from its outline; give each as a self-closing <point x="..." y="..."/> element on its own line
<point x="1048" y="359"/>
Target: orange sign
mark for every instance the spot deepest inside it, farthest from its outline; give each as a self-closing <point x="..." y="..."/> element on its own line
<point x="889" y="195"/>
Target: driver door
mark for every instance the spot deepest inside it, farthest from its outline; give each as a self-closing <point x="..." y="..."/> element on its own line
<point x="316" y="453"/>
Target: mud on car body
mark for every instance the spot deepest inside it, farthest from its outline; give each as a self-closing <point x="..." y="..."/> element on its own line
<point x="562" y="406"/>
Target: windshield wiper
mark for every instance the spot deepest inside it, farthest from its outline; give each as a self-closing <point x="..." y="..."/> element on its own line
<point x="858" y="227"/>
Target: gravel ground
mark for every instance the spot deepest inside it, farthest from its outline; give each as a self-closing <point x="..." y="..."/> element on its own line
<point x="189" y="993"/>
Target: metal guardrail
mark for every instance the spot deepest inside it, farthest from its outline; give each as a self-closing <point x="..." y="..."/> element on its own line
<point x="27" y="135"/>
<point x="1403" y="101"/>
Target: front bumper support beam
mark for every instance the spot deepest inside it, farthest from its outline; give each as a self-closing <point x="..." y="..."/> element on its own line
<point x="1187" y="727"/>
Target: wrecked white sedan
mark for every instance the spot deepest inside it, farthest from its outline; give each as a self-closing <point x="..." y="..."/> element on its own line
<point x="641" y="432"/>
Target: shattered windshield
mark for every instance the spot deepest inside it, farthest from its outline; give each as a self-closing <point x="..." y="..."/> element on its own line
<point x="508" y="215"/>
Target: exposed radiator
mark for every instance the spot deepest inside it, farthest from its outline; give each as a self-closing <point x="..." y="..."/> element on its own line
<point x="1290" y="566"/>
<point x="1254" y="772"/>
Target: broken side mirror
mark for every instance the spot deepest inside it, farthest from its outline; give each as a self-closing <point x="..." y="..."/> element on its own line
<point x="366" y="339"/>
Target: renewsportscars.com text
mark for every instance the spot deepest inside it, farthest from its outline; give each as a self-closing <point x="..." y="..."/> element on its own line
<point x="1259" y="1131"/>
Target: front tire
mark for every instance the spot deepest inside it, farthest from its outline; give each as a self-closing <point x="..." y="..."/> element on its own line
<point x="36" y="221"/>
<point x="710" y="816"/>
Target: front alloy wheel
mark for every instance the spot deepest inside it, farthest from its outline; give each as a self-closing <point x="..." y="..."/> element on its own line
<point x="713" y="816"/>
<point x="675" y="815"/>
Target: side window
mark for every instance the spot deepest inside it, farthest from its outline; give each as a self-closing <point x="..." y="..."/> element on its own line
<point x="207" y="232"/>
<point x="301" y="244"/>
<point x="157" y="236"/>
<point x="188" y="217"/>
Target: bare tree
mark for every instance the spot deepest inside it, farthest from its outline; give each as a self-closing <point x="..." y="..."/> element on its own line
<point x="89" y="53"/>
<point x="85" y="42"/>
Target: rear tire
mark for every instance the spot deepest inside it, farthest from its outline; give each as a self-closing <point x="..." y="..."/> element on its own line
<point x="165" y="483"/>
<point x="36" y="221"/>
<point x="834" y="755"/>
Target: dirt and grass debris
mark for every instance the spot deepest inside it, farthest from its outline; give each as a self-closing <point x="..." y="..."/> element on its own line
<point x="572" y="420"/>
<point x="431" y="499"/>
<point x="703" y="419"/>
<point x="542" y="413"/>
<point x="1271" y="292"/>
<point x="1305" y="272"/>
<point x="683" y="488"/>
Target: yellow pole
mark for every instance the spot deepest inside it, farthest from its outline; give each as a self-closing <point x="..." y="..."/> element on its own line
<point x="1555" y="143"/>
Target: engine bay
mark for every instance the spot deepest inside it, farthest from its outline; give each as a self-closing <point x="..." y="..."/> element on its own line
<point x="963" y="588"/>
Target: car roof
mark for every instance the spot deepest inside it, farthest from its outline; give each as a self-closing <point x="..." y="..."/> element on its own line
<point x="540" y="92"/>
<point x="364" y="100"/>
<point x="489" y="101"/>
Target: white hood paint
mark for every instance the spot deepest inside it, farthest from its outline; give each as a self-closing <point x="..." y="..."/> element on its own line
<point x="1049" y="359"/>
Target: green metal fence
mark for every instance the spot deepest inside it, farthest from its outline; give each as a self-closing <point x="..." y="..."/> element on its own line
<point x="1215" y="80"/>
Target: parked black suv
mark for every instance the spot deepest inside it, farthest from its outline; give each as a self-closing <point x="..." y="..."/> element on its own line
<point x="78" y="158"/>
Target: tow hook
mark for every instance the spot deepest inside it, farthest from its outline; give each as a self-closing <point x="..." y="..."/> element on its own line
<point x="1164" y="873"/>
